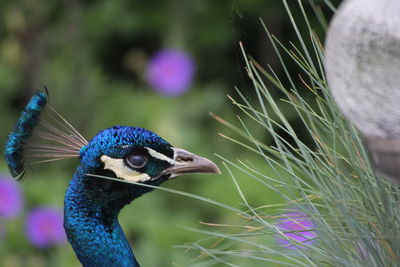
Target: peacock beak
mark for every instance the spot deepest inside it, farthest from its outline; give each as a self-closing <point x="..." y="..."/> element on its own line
<point x="186" y="162"/>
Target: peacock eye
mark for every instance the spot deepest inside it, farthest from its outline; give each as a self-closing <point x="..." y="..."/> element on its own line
<point x="136" y="161"/>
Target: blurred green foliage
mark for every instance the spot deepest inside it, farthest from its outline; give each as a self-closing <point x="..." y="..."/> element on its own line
<point x="92" y="56"/>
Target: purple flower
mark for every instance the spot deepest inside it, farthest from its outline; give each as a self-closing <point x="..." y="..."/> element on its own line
<point x="10" y="198"/>
<point x="44" y="227"/>
<point x="170" y="72"/>
<point x="296" y="226"/>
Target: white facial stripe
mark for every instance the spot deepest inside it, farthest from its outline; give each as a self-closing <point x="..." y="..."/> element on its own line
<point x="122" y="171"/>
<point x="160" y="156"/>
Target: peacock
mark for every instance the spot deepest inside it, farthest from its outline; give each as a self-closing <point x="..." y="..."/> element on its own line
<point x="113" y="165"/>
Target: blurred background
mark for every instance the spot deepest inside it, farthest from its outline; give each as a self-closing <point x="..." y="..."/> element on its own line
<point x="161" y="65"/>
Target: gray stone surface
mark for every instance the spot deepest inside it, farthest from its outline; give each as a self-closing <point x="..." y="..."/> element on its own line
<point x="363" y="71"/>
<point x="363" y="65"/>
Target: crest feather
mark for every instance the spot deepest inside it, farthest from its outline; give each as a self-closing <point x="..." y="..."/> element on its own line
<point x="41" y="134"/>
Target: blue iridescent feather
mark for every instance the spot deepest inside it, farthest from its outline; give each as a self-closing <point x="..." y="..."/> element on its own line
<point x="14" y="149"/>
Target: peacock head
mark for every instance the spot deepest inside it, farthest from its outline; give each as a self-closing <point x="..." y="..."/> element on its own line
<point x="117" y="154"/>
<point x="137" y="155"/>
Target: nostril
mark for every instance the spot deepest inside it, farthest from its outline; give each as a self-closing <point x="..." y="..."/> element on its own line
<point x="184" y="158"/>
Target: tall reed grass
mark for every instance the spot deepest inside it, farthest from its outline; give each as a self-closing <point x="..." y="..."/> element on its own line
<point x="327" y="183"/>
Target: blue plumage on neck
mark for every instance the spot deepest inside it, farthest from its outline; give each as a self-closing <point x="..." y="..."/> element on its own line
<point x="91" y="210"/>
<point x="93" y="229"/>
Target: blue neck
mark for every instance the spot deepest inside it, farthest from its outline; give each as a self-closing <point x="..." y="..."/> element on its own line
<point x="91" y="221"/>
